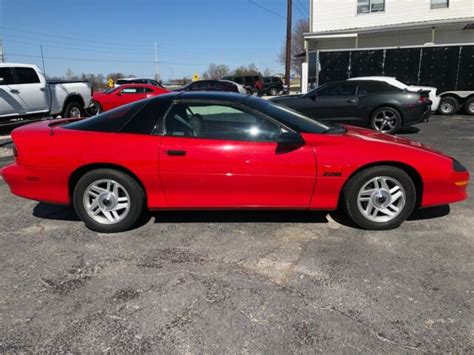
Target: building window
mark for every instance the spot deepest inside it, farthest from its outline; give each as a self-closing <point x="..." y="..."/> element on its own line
<point x="368" y="6"/>
<point x="439" y="4"/>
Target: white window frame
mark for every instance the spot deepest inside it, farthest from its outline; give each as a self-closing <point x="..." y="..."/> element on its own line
<point x="439" y="5"/>
<point x="370" y="8"/>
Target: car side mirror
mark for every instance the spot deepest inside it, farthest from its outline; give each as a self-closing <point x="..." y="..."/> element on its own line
<point x="290" y="138"/>
<point x="119" y="94"/>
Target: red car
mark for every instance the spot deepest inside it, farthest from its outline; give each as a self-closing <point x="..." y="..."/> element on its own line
<point x="225" y="151"/>
<point x="106" y="100"/>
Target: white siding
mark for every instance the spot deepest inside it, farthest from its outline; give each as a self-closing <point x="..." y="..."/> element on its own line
<point x="330" y="15"/>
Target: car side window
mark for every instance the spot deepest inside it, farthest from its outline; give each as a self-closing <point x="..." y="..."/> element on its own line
<point x="138" y="90"/>
<point x="6" y="75"/>
<point x="26" y="76"/>
<point x="147" y="90"/>
<point x="345" y="89"/>
<point x="216" y="121"/>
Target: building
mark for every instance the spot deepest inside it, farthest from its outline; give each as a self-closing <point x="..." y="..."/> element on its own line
<point x="351" y="24"/>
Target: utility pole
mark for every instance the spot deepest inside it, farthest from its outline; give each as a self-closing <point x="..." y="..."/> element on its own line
<point x="2" y="56"/>
<point x="288" y="44"/>
<point x="157" y="75"/>
<point x="42" y="59"/>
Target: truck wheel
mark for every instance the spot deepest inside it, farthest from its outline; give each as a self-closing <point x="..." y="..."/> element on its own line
<point x="273" y="92"/>
<point x="469" y="106"/>
<point x="448" y="105"/>
<point x="386" y="120"/>
<point x="73" y="110"/>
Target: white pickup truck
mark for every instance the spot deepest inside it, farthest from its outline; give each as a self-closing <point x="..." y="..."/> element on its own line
<point x="25" y="93"/>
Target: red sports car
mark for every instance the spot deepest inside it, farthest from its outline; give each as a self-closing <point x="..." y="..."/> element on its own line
<point x="225" y="151"/>
<point x="106" y="100"/>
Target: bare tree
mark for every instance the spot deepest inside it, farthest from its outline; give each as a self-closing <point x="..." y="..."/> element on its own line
<point x="267" y="72"/>
<point x="297" y="45"/>
<point x="251" y="69"/>
<point x="216" y="71"/>
<point x="69" y="74"/>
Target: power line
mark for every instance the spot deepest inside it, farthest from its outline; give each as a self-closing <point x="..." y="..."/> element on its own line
<point x="102" y="60"/>
<point x="302" y="12"/>
<point x="267" y="9"/>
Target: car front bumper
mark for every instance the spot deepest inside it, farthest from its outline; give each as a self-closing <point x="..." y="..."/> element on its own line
<point x="445" y="191"/>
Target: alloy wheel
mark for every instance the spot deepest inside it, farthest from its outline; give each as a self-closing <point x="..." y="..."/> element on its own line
<point x="385" y="121"/>
<point x="381" y="199"/>
<point x="106" y="201"/>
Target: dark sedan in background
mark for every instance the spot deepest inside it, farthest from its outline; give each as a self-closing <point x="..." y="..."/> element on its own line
<point x="377" y="105"/>
<point x="214" y="85"/>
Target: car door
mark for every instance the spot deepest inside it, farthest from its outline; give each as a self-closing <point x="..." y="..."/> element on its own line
<point x="335" y="101"/>
<point x="224" y="155"/>
<point x="33" y="92"/>
<point x="11" y="103"/>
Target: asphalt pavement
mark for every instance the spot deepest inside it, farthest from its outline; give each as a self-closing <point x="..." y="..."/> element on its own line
<point x="241" y="282"/>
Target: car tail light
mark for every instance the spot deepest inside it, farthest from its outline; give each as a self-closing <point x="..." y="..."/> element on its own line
<point x="423" y="99"/>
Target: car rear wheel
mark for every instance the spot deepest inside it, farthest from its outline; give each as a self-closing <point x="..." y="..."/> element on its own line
<point x="273" y="92"/>
<point x="379" y="198"/>
<point x="469" y="106"/>
<point x="73" y="110"/>
<point x="448" y="105"/>
<point x="386" y="120"/>
<point x="108" y="200"/>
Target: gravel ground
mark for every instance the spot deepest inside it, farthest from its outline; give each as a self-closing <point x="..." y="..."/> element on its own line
<point x="241" y="282"/>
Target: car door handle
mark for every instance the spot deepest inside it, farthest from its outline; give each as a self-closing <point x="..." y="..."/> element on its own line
<point x="14" y="91"/>
<point x="176" y="153"/>
<point x="352" y="101"/>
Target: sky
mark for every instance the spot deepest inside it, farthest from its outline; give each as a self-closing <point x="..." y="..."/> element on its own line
<point x="104" y="36"/>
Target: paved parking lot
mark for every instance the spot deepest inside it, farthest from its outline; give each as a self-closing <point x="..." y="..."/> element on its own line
<point x="241" y="282"/>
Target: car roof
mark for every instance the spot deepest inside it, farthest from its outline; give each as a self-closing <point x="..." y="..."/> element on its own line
<point x="212" y="96"/>
<point x="132" y="85"/>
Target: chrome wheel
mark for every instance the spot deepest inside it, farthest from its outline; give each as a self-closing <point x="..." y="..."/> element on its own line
<point x="75" y="112"/>
<point x="385" y="121"/>
<point x="470" y="107"/>
<point x="106" y="201"/>
<point x="447" y="107"/>
<point x="381" y="199"/>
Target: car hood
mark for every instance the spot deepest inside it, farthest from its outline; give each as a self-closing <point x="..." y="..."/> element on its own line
<point x="373" y="136"/>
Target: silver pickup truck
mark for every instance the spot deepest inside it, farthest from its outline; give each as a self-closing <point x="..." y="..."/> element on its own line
<point x="25" y="93"/>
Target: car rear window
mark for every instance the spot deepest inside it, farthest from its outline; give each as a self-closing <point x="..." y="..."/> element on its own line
<point x="111" y="121"/>
<point x="139" y="117"/>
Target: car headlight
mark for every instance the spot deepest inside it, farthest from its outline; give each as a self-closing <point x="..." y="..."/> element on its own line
<point x="457" y="166"/>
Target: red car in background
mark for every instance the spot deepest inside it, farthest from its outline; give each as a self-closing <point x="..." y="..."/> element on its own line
<point x="122" y="95"/>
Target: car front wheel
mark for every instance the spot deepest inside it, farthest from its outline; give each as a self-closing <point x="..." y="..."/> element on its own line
<point x="379" y="198"/>
<point x="386" y="120"/>
<point x="273" y="92"/>
<point x="108" y="200"/>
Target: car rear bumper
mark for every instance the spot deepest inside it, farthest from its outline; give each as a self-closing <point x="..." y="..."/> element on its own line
<point x="443" y="192"/>
<point x="47" y="185"/>
<point x="414" y="116"/>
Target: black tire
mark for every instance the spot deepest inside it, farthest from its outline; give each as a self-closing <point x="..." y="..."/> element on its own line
<point x="273" y="92"/>
<point x="249" y="92"/>
<point x="469" y="105"/>
<point x="448" y="105"/>
<point x="135" y="193"/>
<point x="351" y="191"/>
<point x="391" y="125"/>
<point x="95" y="108"/>
<point x="73" y="110"/>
